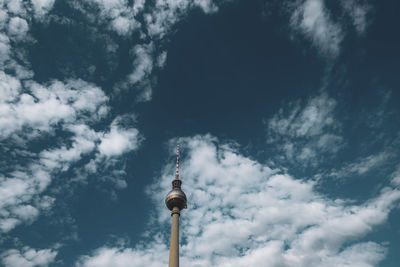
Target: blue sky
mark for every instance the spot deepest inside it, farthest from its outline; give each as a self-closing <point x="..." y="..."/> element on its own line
<point x="286" y="112"/>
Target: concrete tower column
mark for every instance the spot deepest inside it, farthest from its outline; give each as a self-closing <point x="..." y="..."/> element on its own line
<point x="174" y="245"/>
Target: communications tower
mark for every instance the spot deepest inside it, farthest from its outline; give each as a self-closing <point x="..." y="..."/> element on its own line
<point x="175" y="201"/>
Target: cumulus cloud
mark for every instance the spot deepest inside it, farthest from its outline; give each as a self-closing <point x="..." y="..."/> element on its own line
<point x="243" y="213"/>
<point x="25" y="115"/>
<point x="44" y="107"/>
<point x="16" y="7"/>
<point x="42" y="7"/>
<point x="120" y="14"/>
<point x="23" y="8"/>
<point x="305" y="132"/>
<point x="118" y="140"/>
<point x="28" y="257"/>
<point x="15" y="19"/>
<point x="15" y="15"/>
<point x="17" y="28"/>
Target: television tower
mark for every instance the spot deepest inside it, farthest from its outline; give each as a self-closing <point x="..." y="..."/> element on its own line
<point x="175" y="201"/>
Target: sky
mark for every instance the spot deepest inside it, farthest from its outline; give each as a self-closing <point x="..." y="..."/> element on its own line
<point x="287" y="115"/>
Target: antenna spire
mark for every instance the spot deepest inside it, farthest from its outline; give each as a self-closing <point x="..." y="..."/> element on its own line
<point x="177" y="163"/>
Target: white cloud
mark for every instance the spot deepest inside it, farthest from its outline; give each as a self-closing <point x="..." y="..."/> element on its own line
<point x="3" y="18"/>
<point x="120" y="257"/>
<point x="120" y="14"/>
<point x="118" y="140"/>
<point x="312" y="19"/>
<point x="8" y="223"/>
<point x="45" y="107"/>
<point x="4" y="48"/>
<point x="124" y="25"/>
<point x="42" y="7"/>
<point x="17" y="190"/>
<point x="396" y="176"/>
<point x="25" y="212"/>
<point x="61" y="157"/>
<point x="9" y="87"/>
<point x="305" y="131"/>
<point x="142" y="69"/>
<point x="362" y="165"/>
<point x="308" y="121"/>
<point x="242" y="213"/>
<point x="166" y="13"/>
<point x="17" y="28"/>
<point x="15" y="7"/>
<point x="28" y="257"/>
<point x="143" y="63"/>
<point x="358" y="12"/>
<point x="15" y="17"/>
<point x="162" y="58"/>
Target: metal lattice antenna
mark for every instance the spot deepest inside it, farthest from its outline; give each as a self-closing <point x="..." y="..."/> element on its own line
<point x="177" y="163"/>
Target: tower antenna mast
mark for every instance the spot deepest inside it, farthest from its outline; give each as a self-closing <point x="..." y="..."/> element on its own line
<point x="177" y="162"/>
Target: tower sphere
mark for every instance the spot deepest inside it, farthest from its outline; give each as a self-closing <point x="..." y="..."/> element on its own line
<point x="176" y="198"/>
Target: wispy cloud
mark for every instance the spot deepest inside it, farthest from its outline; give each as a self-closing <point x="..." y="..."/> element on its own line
<point x="304" y="133"/>
<point x="240" y="211"/>
<point x="358" y="12"/>
<point x="313" y="20"/>
<point x="143" y="65"/>
<point x="362" y="165"/>
<point x="324" y="30"/>
<point x="396" y="176"/>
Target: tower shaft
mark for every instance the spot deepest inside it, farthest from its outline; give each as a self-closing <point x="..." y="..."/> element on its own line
<point x="174" y="245"/>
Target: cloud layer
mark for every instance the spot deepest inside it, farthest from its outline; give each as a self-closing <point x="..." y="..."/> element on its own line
<point x="243" y="213"/>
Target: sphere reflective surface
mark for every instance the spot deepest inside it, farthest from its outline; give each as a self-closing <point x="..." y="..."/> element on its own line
<point x="175" y="198"/>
